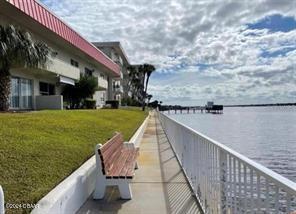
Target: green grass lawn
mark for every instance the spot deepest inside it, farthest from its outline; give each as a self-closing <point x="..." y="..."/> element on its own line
<point x="39" y="149"/>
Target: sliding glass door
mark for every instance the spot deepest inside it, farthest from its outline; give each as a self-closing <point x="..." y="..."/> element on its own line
<point x="21" y="93"/>
<point x="15" y="93"/>
<point x="26" y="94"/>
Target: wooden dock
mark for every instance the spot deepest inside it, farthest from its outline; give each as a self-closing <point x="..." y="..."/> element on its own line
<point x="215" y="109"/>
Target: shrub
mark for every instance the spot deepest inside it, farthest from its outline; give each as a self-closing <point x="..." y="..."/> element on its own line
<point x="90" y="104"/>
<point x="129" y="102"/>
<point x="113" y="103"/>
<point x="83" y="89"/>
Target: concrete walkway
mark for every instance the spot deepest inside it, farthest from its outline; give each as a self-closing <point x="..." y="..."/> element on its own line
<point x="159" y="185"/>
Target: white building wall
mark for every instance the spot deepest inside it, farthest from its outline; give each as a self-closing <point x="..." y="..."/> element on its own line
<point x="101" y="95"/>
<point x="64" y="57"/>
<point x="101" y="98"/>
<point x="36" y="79"/>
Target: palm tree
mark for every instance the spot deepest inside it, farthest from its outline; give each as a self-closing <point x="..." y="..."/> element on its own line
<point x="131" y="71"/>
<point x="147" y="69"/>
<point x="136" y="82"/>
<point x="133" y="80"/>
<point x="149" y="96"/>
<point x="17" y="48"/>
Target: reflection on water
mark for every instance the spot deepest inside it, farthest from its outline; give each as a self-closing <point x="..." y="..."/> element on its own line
<point x="264" y="134"/>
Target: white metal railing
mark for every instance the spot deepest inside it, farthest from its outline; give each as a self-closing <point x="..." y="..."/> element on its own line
<point x="1" y="200"/>
<point x="225" y="181"/>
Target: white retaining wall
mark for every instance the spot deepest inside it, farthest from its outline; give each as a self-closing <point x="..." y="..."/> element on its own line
<point x="136" y="139"/>
<point x="1" y="201"/>
<point x="70" y="194"/>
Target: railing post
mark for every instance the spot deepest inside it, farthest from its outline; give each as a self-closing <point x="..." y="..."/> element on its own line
<point x="1" y="201"/>
<point x="223" y="174"/>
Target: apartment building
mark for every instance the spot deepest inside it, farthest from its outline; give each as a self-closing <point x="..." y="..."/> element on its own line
<point x="120" y="84"/>
<point x="72" y="56"/>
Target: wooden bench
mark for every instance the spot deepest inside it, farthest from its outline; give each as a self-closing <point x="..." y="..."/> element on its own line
<point x="116" y="164"/>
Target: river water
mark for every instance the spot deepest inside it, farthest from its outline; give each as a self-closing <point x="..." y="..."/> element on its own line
<point x="264" y="134"/>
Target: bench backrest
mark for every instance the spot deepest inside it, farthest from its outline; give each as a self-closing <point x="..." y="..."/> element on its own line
<point x="110" y="152"/>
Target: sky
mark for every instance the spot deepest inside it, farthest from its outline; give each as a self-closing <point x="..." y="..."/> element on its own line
<point x="226" y="51"/>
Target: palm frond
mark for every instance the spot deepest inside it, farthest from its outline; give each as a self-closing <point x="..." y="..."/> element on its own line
<point x="18" y="47"/>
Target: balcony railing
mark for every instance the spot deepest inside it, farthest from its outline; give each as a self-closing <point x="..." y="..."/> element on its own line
<point x="225" y="181"/>
<point x="119" y="78"/>
<point x="118" y="89"/>
<point x="62" y="68"/>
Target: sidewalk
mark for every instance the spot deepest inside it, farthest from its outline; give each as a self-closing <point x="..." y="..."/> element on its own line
<point x="159" y="185"/>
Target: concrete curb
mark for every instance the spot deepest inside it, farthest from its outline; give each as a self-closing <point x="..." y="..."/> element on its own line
<point x="72" y="193"/>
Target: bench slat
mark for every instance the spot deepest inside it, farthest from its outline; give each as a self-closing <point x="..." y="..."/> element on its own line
<point x="118" y="160"/>
<point x="127" y="166"/>
<point x="131" y="171"/>
<point x="121" y="162"/>
<point x="111" y="146"/>
<point x="110" y="160"/>
<point x="116" y="138"/>
<point x="109" y="151"/>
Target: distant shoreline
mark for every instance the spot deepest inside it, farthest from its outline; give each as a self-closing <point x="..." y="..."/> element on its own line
<point x="262" y="105"/>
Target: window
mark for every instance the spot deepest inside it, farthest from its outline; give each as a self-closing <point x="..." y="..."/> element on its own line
<point x="88" y="72"/>
<point x="21" y="93"/>
<point x="74" y="63"/>
<point x="102" y="76"/>
<point x="103" y="97"/>
<point x="26" y="93"/>
<point x="46" y="88"/>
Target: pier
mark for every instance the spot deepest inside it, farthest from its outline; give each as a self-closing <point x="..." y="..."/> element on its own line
<point x="186" y="110"/>
<point x="215" y="109"/>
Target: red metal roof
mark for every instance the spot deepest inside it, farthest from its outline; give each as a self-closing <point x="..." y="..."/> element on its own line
<point x="40" y="14"/>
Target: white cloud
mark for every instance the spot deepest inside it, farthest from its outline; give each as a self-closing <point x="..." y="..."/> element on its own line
<point x="176" y="36"/>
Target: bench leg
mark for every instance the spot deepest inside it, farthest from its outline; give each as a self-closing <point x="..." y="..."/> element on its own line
<point x="100" y="189"/>
<point x="125" y="190"/>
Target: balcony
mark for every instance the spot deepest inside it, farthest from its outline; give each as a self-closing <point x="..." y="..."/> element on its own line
<point x="62" y="68"/>
<point x="117" y="89"/>
<point x="102" y="83"/>
<point x="120" y="77"/>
